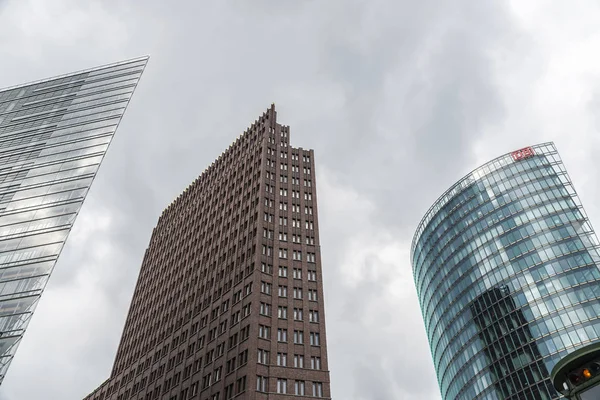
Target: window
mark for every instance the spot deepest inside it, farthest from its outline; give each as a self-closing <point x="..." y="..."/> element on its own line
<point x="230" y="366"/>
<point x="233" y="340"/>
<point x="315" y="362"/>
<point x="241" y="384"/>
<point x="312" y="294"/>
<point x="298" y="361"/>
<point x="264" y="332"/>
<point x="283" y="236"/>
<point x="282" y="291"/>
<point x="262" y="384"/>
<point x="265" y="309"/>
<point x="265" y="287"/>
<point x="283" y="221"/>
<point x="283" y="192"/>
<point x="317" y="389"/>
<point x="206" y="381"/>
<point x="281" y="385"/>
<point x="229" y="392"/>
<point x="266" y="268"/>
<point x="310" y="257"/>
<point x="298" y="314"/>
<point x="282" y="253"/>
<point x="243" y="358"/>
<point x="282" y="359"/>
<point x="297" y="273"/>
<point x="263" y="356"/>
<point x="299" y="388"/>
<point x="314" y="339"/>
<point x="312" y="276"/>
<point x="281" y="335"/>
<point x="282" y="312"/>
<point x="308" y="196"/>
<point x="297" y="255"/>
<point x="218" y="373"/>
<point x="298" y="293"/>
<point x="245" y="312"/>
<point x="235" y="318"/>
<point x="298" y="337"/>
<point x="283" y="272"/>
<point x="313" y="316"/>
<point x="283" y="206"/>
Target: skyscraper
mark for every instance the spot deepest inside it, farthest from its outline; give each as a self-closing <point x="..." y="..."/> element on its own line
<point x="229" y="299"/>
<point x="53" y="136"/>
<point x="506" y="268"/>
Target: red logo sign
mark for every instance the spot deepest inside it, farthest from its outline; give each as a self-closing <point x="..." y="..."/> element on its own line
<point x="522" y="154"/>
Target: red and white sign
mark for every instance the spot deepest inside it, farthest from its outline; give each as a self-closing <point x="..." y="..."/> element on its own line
<point x="522" y="154"/>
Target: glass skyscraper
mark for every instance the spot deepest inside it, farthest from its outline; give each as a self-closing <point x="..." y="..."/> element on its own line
<point x="53" y="136"/>
<point x="506" y="269"/>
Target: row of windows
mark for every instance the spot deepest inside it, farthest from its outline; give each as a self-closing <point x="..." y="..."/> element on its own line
<point x="282" y="335"/>
<point x="478" y="200"/>
<point x="308" y="210"/>
<point x="264" y="357"/>
<point x="296" y="274"/>
<point x="490" y="211"/>
<point x="454" y="326"/>
<point x="500" y="168"/>
<point x="282" y="291"/>
<point x="283" y="237"/>
<point x="300" y="388"/>
<point x="489" y="255"/>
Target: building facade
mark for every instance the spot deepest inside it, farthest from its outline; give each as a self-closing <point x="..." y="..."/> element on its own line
<point x="506" y="269"/>
<point x="53" y="136"/>
<point x="229" y="299"/>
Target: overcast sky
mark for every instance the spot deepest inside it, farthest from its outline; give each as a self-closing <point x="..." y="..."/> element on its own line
<point x="399" y="99"/>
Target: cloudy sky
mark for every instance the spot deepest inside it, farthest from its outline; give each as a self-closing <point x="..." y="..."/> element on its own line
<point x="399" y="99"/>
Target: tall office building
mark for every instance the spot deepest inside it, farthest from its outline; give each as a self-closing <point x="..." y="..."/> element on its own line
<point x="53" y="136"/>
<point x="229" y="299"/>
<point x="506" y="268"/>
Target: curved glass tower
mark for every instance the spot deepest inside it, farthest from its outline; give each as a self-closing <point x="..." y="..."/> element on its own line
<point x="506" y="268"/>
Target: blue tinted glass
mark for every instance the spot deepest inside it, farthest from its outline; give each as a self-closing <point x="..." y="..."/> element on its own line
<point x="505" y="265"/>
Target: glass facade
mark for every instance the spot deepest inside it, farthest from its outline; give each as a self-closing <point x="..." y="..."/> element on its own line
<point x="506" y="269"/>
<point x="53" y="136"/>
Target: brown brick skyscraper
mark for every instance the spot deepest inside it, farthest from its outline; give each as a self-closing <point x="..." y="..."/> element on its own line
<point x="229" y="300"/>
